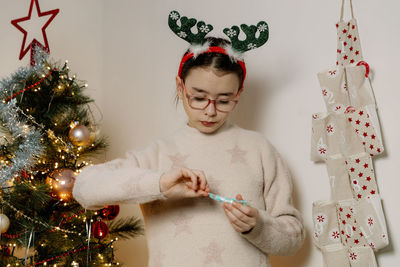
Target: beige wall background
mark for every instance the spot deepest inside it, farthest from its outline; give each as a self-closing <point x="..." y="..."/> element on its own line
<point x="128" y="55"/>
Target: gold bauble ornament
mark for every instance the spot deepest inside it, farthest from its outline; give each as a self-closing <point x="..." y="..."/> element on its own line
<point x="61" y="181"/>
<point x="4" y="223"/>
<point x="79" y="135"/>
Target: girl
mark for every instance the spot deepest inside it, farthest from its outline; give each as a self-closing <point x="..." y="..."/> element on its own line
<point x="171" y="179"/>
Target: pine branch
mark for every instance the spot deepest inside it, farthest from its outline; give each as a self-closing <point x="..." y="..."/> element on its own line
<point x="126" y="228"/>
<point x="39" y="197"/>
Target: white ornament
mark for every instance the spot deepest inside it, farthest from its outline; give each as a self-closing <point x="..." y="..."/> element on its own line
<point x="4" y="223"/>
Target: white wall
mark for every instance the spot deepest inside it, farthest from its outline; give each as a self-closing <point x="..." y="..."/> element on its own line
<point x="73" y="35"/>
<point x="129" y="56"/>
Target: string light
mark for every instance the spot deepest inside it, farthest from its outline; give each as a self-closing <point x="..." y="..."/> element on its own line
<point x="51" y="135"/>
<point x="66" y="254"/>
<point x="56" y="140"/>
<point x="52" y="228"/>
<point x="29" y="87"/>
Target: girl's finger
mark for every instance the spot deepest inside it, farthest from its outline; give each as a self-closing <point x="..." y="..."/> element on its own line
<point x="192" y="176"/>
<point x="234" y="220"/>
<point x="237" y="229"/>
<point x="189" y="184"/>
<point x="202" y="178"/>
<point x="238" y="214"/>
<point x="207" y="188"/>
<point x="246" y="210"/>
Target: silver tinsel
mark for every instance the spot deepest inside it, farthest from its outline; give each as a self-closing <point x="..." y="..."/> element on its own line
<point x="30" y="147"/>
<point x="15" y="83"/>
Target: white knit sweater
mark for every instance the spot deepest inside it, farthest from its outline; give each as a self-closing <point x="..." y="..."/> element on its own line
<point x="196" y="232"/>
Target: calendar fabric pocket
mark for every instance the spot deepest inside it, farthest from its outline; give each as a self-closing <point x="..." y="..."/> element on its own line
<point x="362" y="175"/>
<point x="359" y="86"/>
<point x="339" y="178"/>
<point x="332" y="135"/>
<point x="361" y="257"/>
<point x="351" y="234"/>
<point x="334" y="89"/>
<point x="372" y="223"/>
<point x="326" y="230"/>
<point x="345" y="86"/>
<point x="366" y="125"/>
<point x="339" y="256"/>
<point x="335" y="256"/>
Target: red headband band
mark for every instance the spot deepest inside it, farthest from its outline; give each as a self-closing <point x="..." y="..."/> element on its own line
<point x="212" y="49"/>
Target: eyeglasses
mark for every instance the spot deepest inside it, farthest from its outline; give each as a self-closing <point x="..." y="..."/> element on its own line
<point x="201" y="103"/>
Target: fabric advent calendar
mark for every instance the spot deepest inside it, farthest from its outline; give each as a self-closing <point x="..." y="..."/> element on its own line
<point x="350" y="226"/>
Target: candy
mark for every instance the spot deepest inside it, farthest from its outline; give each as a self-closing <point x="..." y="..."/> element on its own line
<point x="225" y="199"/>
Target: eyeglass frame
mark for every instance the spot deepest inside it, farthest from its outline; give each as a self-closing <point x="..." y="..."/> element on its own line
<point x="188" y="96"/>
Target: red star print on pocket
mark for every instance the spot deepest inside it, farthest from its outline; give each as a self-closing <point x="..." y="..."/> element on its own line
<point x="348" y="226"/>
<point x="348" y="43"/>
<point x="362" y="176"/>
<point x="361" y="121"/>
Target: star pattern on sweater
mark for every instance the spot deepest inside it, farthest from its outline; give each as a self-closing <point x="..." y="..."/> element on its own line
<point x="213" y="253"/>
<point x="182" y="224"/>
<point x="238" y="155"/>
<point x="178" y="160"/>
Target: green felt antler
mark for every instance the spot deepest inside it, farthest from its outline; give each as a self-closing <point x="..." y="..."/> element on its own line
<point x="251" y="41"/>
<point x="184" y="30"/>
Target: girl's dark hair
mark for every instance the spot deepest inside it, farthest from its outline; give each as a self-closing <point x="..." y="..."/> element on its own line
<point x="217" y="61"/>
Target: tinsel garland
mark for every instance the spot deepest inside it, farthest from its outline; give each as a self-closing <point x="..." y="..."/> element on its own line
<point x="13" y="83"/>
<point x="29" y="148"/>
<point x="20" y="147"/>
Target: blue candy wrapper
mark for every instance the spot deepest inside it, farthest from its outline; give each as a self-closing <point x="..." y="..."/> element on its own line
<point x="225" y="199"/>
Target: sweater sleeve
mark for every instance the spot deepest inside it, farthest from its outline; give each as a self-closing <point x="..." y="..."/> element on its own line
<point x="122" y="180"/>
<point x="279" y="229"/>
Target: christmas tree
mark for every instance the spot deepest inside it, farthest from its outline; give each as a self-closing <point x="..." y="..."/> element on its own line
<point x="47" y="135"/>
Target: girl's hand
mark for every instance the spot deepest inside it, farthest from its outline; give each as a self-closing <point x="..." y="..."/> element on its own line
<point x="184" y="183"/>
<point x="243" y="218"/>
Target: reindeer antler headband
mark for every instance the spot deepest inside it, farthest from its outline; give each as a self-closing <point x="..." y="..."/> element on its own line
<point x="198" y="44"/>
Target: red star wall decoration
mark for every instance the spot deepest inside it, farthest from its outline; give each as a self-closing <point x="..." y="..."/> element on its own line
<point x="33" y="43"/>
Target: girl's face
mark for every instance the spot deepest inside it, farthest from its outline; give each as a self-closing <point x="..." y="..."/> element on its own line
<point x="207" y="83"/>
